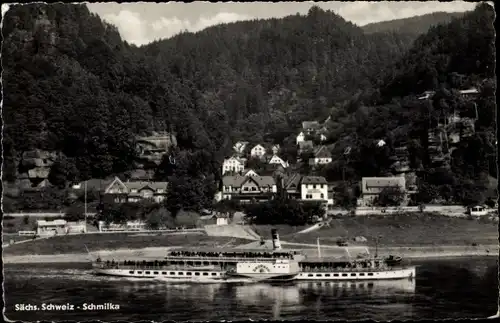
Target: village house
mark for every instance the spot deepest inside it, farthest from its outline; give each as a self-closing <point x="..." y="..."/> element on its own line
<point x="371" y="187"/>
<point x="249" y="172"/>
<point x="233" y="164"/>
<point x="59" y="227"/>
<point x="314" y="188"/>
<point x="152" y="148"/>
<point x="275" y="149"/>
<point x="300" y="138"/>
<point x="248" y="188"/>
<point x="258" y="151"/>
<point x="305" y="146"/>
<point x="240" y="146"/>
<point x="310" y="127"/>
<point x="275" y="160"/>
<point x="120" y="192"/>
<point x="321" y="156"/>
<point x="308" y="189"/>
<point x="469" y="93"/>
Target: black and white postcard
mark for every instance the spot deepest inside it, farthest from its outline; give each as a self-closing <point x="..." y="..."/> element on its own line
<point x="226" y="161"/>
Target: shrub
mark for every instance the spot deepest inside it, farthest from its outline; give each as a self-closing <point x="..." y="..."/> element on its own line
<point x="26" y="219"/>
<point x="8" y="217"/>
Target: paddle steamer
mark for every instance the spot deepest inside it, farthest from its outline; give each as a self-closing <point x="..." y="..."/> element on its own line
<point x="196" y="265"/>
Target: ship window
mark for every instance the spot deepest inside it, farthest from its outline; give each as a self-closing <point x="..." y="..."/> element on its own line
<point x="180" y="273"/>
<point x="353" y="274"/>
<point x="131" y="272"/>
<point x="335" y="275"/>
<point x="310" y="275"/>
<point x="197" y="274"/>
<point x="319" y="275"/>
<point x="155" y="272"/>
<point x="188" y="273"/>
<point x="370" y="274"/>
<point x="139" y="272"/>
<point x="344" y="275"/>
<point x="163" y="272"/>
<point x="361" y="274"/>
<point x="172" y="273"/>
<point x="147" y="272"/>
<point x="327" y="275"/>
<point x="214" y="274"/>
<point x="205" y="274"/>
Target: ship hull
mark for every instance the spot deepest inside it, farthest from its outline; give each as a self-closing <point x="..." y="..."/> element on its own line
<point x="171" y="274"/>
<point x="198" y="276"/>
<point x="391" y="273"/>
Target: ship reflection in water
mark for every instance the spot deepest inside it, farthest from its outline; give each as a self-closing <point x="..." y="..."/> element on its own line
<point x="296" y="296"/>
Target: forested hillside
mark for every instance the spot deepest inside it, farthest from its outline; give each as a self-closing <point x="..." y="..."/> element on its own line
<point x="72" y="86"/>
<point x="267" y="76"/>
<point x="414" y="25"/>
<point x="448" y="58"/>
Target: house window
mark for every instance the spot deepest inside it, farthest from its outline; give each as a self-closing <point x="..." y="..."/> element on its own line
<point x="314" y="186"/>
<point x="308" y="196"/>
<point x="245" y="189"/>
<point x="254" y="188"/>
<point x="133" y="190"/>
<point x="321" y="186"/>
<point x="322" y="195"/>
<point x="160" y="190"/>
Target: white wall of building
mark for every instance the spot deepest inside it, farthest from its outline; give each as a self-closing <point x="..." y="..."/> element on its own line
<point x="258" y="151"/>
<point x="314" y="192"/>
<point x="232" y="165"/>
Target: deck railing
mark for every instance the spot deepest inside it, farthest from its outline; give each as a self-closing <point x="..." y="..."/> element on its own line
<point x="225" y="259"/>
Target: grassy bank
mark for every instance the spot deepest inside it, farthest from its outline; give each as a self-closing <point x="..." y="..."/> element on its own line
<point x="417" y="229"/>
<point x="94" y="242"/>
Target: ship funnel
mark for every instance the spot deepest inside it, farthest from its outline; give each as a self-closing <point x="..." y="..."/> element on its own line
<point x="276" y="239"/>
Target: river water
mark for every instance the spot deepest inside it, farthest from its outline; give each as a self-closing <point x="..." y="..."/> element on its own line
<point x="452" y="288"/>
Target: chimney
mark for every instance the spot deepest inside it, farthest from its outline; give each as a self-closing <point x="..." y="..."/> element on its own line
<point x="276" y="239"/>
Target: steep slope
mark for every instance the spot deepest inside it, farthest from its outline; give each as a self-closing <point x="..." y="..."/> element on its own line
<point x="414" y="25"/>
<point x="465" y="46"/>
<point x="73" y="87"/>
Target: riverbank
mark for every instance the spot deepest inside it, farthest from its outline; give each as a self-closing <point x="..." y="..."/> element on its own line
<point x="394" y="230"/>
<point x="78" y="244"/>
<point x="152" y="253"/>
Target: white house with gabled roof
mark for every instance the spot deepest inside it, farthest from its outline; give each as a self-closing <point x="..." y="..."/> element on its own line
<point x="233" y="164"/>
<point x="258" y="151"/>
<point x="278" y="161"/>
<point x="249" y="172"/>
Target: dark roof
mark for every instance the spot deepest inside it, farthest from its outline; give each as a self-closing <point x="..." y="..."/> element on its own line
<point x="310" y="124"/>
<point x="313" y="180"/>
<point x="379" y="183"/>
<point x="322" y="152"/>
<point x="293" y="181"/>
<point x="306" y="144"/>
<point x="239" y="180"/>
